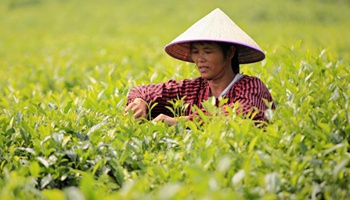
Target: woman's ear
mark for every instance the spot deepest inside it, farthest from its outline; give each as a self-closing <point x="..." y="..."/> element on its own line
<point x="232" y="52"/>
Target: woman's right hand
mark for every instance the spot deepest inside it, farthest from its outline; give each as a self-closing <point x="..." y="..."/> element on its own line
<point x="138" y="107"/>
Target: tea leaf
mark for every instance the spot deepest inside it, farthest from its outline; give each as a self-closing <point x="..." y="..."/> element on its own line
<point x="238" y="177"/>
<point x="43" y="161"/>
<point x="34" y="169"/>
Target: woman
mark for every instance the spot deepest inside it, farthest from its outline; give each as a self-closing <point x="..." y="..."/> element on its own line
<point x="217" y="46"/>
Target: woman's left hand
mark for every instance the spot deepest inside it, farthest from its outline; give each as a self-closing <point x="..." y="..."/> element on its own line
<point x="165" y="118"/>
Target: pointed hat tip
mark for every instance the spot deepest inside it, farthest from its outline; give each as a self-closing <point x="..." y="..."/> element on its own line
<point x="218" y="13"/>
<point x="217" y="27"/>
<point x="218" y="10"/>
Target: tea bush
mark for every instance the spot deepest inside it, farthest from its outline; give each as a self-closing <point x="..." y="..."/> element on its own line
<point x="67" y="67"/>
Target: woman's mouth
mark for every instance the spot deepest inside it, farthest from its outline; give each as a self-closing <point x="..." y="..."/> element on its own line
<point x="203" y="69"/>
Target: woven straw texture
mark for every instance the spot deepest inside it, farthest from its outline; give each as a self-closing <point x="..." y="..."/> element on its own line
<point x="217" y="27"/>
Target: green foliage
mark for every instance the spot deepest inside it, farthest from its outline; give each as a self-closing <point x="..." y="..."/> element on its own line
<point x="66" y="70"/>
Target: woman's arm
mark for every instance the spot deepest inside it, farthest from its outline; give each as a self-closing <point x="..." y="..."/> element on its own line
<point x="252" y="95"/>
<point x="158" y="96"/>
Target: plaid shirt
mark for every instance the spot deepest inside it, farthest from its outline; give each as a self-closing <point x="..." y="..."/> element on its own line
<point x="249" y="91"/>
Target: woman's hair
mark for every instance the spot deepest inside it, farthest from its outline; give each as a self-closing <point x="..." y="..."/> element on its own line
<point x="226" y="48"/>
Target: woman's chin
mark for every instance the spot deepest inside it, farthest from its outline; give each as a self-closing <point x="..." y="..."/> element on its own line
<point x="205" y="77"/>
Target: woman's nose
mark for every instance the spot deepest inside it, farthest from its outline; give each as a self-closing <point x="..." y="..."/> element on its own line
<point x="201" y="57"/>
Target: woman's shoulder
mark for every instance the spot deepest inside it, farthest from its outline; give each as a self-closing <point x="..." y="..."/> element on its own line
<point x="250" y="80"/>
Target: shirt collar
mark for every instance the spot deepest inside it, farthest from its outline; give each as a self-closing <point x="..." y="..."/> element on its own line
<point x="235" y="80"/>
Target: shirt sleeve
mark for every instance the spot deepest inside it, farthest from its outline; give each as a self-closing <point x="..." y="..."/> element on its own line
<point x="252" y="95"/>
<point x="162" y="93"/>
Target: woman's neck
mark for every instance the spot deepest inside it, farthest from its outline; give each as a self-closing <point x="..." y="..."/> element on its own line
<point x="217" y="86"/>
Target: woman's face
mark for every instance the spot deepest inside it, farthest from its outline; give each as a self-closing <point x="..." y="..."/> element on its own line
<point x="210" y="60"/>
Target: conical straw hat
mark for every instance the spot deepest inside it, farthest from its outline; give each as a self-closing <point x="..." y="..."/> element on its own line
<point x="217" y="27"/>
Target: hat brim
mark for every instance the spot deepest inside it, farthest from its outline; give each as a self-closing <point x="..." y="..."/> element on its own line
<point x="246" y="54"/>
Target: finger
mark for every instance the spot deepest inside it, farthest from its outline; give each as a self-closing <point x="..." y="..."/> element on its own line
<point x="160" y="117"/>
<point x="139" y="113"/>
<point x="128" y="107"/>
<point x="165" y="118"/>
